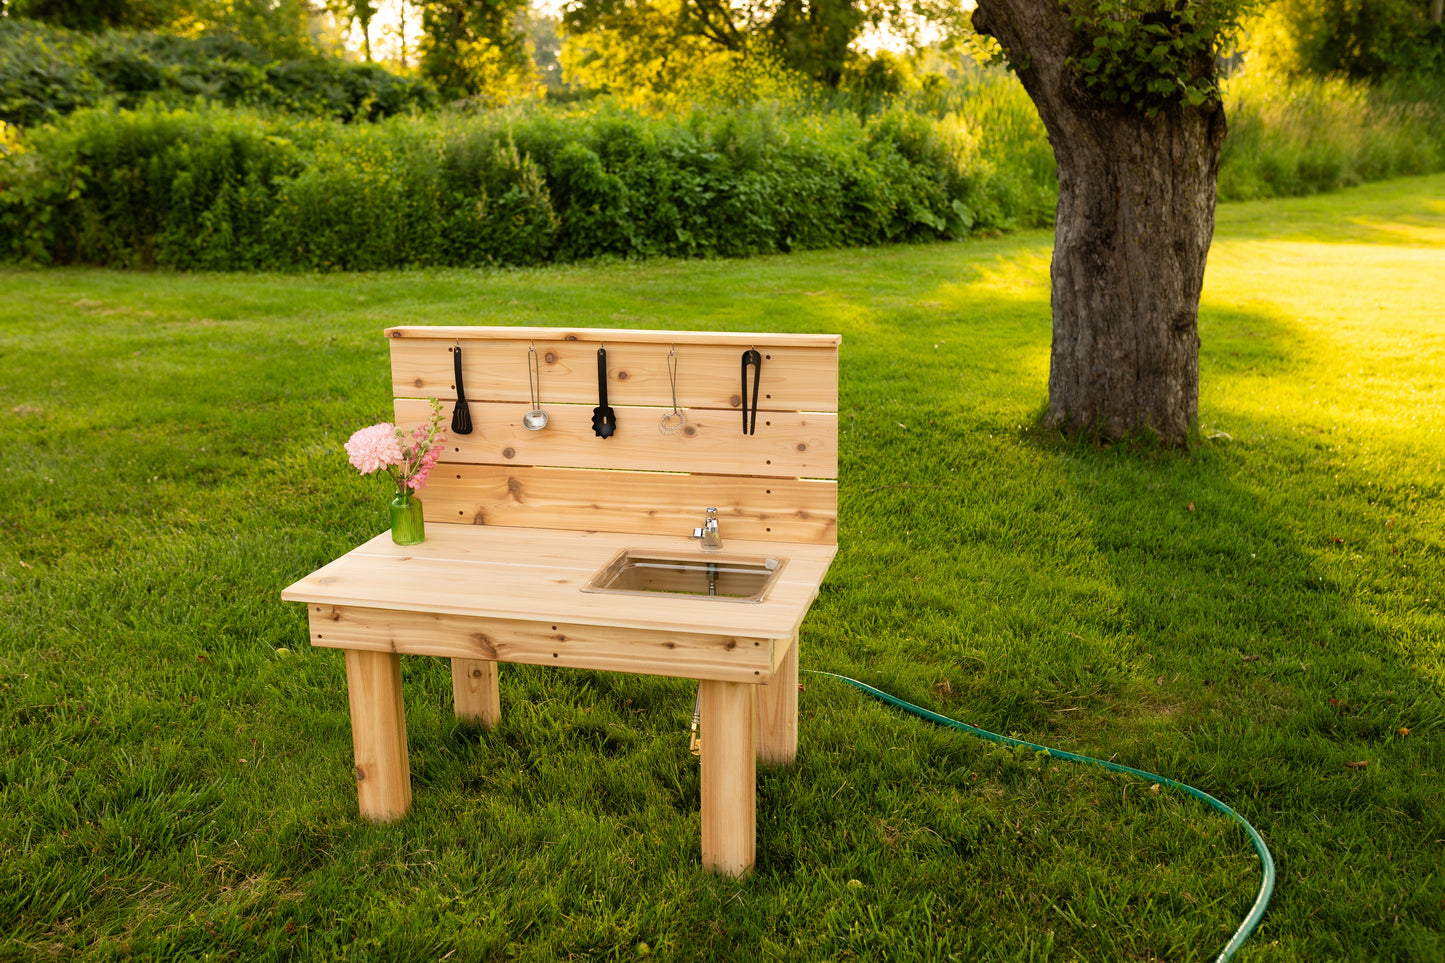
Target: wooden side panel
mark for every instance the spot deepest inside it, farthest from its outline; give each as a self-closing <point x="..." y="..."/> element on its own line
<point x="649" y="503"/>
<point x="708" y="375"/>
<point x="787" y="444"/>
<point x="677" y="654"/>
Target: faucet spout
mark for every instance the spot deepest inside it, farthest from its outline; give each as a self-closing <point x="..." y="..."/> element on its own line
<point x="711" y="539"/>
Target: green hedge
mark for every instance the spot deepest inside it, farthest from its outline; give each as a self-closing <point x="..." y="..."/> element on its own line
<point x="231" y="189"/>
<point x="46" y="73"/>
<point x="237" y="189"/>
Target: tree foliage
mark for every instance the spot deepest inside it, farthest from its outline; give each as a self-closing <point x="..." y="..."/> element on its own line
<point x="475" y="47"/>
<point x="1146" y="53"/>
<point x="280" y="27"/>
<point x="654" y="42"/>
<point x="47" y="72"/>
<point x="1361" y="39"/>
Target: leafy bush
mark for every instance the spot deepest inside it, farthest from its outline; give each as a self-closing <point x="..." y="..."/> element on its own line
<point x="232" y="189"/>
<point x="46" y="73"/>
<point x="235" y="189"/>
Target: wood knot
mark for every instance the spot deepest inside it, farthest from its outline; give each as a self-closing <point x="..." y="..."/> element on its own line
<point x="509" y="453"/>
<point x="396" y="334"/>
<point x="689" y="430"/>
<point x="623" y="376"/>
<point x="550" y="357"/>
<point x="476" y="673"/>
<point x="419" y="383"/>
<point x="802" y="447"/>
<point x="736" y="401"/>
<point x="571" y="337"/>
<point x="360" y="774"/>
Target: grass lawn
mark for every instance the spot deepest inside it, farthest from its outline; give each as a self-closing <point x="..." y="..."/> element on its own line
<point x="1261" y="618"/>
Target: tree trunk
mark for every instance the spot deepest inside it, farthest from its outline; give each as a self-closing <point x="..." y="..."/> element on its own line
<point x="1131" y="236"/>
<point x="401" y="34"/>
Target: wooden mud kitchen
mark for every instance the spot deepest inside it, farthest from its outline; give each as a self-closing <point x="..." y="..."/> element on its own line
<point x="657" y="502"/>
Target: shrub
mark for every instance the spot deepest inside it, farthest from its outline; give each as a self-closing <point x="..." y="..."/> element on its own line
<point x="222" y="188"/>
<point x="47" y="73"/>
<point x="178" y="188"/>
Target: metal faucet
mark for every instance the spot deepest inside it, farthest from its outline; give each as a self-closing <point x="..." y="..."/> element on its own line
<point x="711" y="540"/>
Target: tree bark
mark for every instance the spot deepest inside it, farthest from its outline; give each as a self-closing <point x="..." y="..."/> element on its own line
<point x="1131" y="236"/>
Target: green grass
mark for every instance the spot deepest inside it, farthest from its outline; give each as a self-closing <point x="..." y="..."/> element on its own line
<point x="1251" y="618"/>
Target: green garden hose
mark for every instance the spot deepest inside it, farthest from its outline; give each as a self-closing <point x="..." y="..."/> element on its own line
<point x="1266" y="888"/>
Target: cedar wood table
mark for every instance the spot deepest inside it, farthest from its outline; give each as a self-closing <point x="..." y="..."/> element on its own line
<point x="518" y="520"/>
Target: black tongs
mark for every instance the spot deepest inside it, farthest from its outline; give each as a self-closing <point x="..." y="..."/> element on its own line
<point x="755" y="360"/>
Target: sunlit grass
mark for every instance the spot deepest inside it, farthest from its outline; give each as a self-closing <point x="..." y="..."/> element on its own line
<point x="1256" y="617"/>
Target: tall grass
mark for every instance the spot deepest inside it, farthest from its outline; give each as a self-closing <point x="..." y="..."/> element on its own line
<point x="1292" y="137"/>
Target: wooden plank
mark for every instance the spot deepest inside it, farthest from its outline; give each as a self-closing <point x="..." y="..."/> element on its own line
<point x="495" y="332"/>
<point x="777" y="708"/>
<point x="378" y="734"/>
<point x="533" y="574"/>
<point x="786" y="444"/>
<point x="475" y="693"/>
<point x="469" y="640"/>
<point x="708" y="375"/>
<point x="780" y="509"/>
<point x="729" y="779"/>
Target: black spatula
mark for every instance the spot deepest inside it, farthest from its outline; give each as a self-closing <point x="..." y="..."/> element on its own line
<point x="461" y="414"/>
<point x="604" y="419"/>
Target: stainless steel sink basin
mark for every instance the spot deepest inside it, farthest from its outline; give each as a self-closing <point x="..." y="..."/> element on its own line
<point x="726" y="578"/>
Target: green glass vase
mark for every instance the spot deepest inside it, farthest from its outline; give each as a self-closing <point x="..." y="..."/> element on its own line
<point x="407" y="527"/>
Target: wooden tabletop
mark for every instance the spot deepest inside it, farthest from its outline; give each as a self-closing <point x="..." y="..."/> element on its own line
<point x="537" y="574"/>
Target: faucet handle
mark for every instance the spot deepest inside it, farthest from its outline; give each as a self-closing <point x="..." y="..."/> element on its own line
<point x="711" y="540"/>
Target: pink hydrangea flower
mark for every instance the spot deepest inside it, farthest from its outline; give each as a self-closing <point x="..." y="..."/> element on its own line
<point x="407" y="455"/>
<point x="373" y="448"/>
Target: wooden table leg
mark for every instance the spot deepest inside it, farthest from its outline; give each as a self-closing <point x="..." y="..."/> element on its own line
<point x="475" y="694"/>
<point x="729" y="778"/>
<point x="378" y="734"/>
<point x="778" y="712"/>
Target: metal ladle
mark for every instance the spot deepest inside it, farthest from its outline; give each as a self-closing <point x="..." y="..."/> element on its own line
<point x="536" y="419"/>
